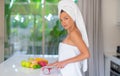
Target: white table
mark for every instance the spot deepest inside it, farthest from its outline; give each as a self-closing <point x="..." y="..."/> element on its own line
<point x="12" y="66"/>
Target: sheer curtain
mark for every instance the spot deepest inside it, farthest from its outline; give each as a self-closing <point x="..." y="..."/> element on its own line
<point x="1" y="31"/>
<point x="91" y="10"/>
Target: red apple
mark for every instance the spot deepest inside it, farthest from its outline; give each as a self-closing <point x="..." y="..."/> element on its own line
<point x="42" y="63"/>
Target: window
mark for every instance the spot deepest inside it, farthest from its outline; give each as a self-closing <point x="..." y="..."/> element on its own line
<point x="32" y="27"/>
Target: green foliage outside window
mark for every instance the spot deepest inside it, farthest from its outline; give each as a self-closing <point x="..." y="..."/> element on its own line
<point x="27" y="15"/>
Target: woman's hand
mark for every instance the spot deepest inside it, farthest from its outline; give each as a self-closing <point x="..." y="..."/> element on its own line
<point x="60" y="64"/>
<point x="51" y="64"/>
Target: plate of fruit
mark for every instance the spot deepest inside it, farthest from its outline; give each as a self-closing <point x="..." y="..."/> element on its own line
<point x="34" y="63"/>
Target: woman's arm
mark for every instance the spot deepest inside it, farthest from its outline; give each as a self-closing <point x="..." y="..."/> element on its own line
<point x="52" y="64"/>
<point x="76" y="38"/>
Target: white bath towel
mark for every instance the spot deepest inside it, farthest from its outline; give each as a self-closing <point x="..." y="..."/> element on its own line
<point x="67" y="51"/>
<point x="72" y="9"/>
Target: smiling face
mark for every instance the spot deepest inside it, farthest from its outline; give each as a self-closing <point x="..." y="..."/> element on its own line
<point x="66" y="21"/>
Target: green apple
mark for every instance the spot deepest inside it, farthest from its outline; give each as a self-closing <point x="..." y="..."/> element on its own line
<point x="36" y="66"/>
<point x="28" y="64"/>
<point x="23" y="63"/>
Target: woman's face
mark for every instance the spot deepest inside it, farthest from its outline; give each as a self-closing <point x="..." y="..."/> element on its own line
<point x="66" y="21"/>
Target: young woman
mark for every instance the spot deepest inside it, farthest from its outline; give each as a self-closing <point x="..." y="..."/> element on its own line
<point x="73" y="50"/>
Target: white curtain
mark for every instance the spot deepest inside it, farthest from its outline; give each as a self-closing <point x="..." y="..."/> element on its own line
<point x="91" y="10"/>
<point x="1" y="31"/>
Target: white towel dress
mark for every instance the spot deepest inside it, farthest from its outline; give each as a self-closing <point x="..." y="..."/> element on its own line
<point x="67" y="51"/>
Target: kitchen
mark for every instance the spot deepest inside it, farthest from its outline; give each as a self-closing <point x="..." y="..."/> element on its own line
<point x="110" y="21"/>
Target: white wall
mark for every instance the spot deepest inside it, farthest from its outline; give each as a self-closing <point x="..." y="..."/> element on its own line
<point x="1" y="30"/>
<point x="111" y="31"/>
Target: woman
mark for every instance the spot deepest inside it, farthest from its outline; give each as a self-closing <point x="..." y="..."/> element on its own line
<point x="73" y="50"/>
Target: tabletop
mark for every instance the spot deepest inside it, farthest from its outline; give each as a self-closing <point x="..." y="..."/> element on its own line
<point x="12" y="66"/>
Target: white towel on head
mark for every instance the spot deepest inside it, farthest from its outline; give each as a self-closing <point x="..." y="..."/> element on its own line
<point x="72" y="9"/>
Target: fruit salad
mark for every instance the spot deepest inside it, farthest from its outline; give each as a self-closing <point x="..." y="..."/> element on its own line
<point x="34" y="63"/>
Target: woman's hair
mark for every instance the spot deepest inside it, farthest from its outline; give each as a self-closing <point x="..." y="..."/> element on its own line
<point x="62" y="11"/>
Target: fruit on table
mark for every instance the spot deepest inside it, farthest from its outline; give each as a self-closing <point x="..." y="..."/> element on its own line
<point x="36" y="66"/>
<point x="28" y="64"/>
<point x="42" y="63"/>
<point x="23" y="63"/>
<point x="41" y="59"/>
<point x="34" y="63"/>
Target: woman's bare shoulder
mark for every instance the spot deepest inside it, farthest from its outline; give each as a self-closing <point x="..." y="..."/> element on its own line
<point x="76" y="37"/>
<point x="75" y="34"/>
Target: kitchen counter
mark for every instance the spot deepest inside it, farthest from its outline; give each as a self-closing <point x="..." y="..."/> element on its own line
<point x="12" y="66"/>
<point x="112" y="57"/>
